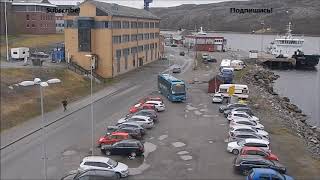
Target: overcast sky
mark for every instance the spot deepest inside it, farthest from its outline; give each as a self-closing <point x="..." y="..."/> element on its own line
<point x="139" y="3"/>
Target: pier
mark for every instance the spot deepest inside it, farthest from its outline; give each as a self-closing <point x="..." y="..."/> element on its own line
<point x="273" y="62"/>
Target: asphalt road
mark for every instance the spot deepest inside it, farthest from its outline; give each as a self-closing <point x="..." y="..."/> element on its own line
<point x="195" y="125"/>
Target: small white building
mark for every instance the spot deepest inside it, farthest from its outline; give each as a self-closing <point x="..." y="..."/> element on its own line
<point x="59" y="22"/>
<point x="20" y="53"/>
<point x="253" y="54"/>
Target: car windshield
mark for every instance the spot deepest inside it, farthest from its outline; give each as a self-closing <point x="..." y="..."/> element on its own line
<point x="178" y="89"/>
<point x="112" y="163"/>
<point x="241" y="143"/>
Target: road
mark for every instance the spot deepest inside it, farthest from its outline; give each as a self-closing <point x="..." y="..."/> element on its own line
<point x="196" y="124"/>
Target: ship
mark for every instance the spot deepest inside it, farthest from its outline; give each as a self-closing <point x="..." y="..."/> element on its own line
<point x="291" y="46"/>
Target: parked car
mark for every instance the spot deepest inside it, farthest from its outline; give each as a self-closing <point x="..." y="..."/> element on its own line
<point x="158" y="105"/>
<point x="237" y="136"/>
<point x="174" y="45"/>
<point x="244" y="164"/>
<point x="244" y="128"/>
<point x="259" y="152"/>
<point x="217" y="98"/>
<point x="143" y="121"/>
<point x="164" y="58"/>
<point x="205" y="56"/>
<point x="231" y="106"/>
<point x="139" y="106"/>
<point x="146" y="112"/>
<point x="182" y="53"/>
<point x="247" y="122"/>
<point x="92" y="174"/>
<point x="241" y="109"/>
<point x="104" y="163"/>
<point x="176" y="69"/>
<point x="241" y="115"/>
<point x="133" y="132"/>
<point x="211" y="59"/>
<point x="113" y="137"/>
<point x="134" y="125"/>
<point x="129" y="147"/>
<point x="267" y="174"/>
<point x="235" y="147"/>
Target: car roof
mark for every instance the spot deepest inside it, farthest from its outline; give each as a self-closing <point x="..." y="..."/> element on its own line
<point x="255" y="140"/>
<point x="139" y="117"/>
<point x="158" y="102"/>
<point x="251" y="157"/>
<point x="242" y="127"/>
<point x="249" y="148"/>
<point x="239" y="112"/>
<point x="244" y="133"/>
<point x="96" y="159"/>
<point x="241" y="119"/>
<point x="129" y="141"/>
<point x="264" y="171"/>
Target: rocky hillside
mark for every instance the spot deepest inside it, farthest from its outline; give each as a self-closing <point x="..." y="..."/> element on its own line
<point x="304" y="14"/>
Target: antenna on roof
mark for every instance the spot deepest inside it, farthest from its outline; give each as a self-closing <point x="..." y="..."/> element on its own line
<point x="146" y="4"/>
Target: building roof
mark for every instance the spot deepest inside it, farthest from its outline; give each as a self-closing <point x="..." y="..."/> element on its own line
<point x="118" y="10"/>
<point x="33" y="2"/>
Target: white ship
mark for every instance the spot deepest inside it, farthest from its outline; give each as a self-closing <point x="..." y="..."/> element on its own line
<point x="286" y="45"/>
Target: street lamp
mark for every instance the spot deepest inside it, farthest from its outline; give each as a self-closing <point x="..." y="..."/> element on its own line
<point x="170" y="57"/>
<point x="91" y="105"/>
<point x="42" y="84"/>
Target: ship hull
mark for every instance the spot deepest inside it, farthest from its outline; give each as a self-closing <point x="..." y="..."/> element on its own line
<point x="306" y="61"/>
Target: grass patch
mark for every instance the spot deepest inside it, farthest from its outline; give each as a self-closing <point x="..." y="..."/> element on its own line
<point x="238" y="75"/>
<point x="23" y="103"/>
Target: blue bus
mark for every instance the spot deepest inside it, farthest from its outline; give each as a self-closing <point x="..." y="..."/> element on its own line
<point x="171" y="87"/>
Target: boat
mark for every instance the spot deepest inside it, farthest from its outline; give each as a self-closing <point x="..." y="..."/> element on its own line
<point x="284" y="46"/>
<point x="305" y="61"/>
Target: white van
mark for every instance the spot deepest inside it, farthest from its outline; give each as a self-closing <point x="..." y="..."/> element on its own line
<point x="237" y="64"/>
<point x="241" y="91"/>
<point x="225" y="63"/>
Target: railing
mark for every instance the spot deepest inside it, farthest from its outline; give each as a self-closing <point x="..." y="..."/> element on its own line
<point x="80" y="70"/>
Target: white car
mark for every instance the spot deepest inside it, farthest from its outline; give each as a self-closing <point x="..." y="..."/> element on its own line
<point x="157" y="104"/>
<point x="217" y="98"/>
<point x="205" y="56"/>
<point x="245" y="128"/>
<point x="144" y="121"/>
<point x="235" y="147"/>
<point x="241" y="115"/>
<point x="104" y="163"/>
<point x="246" y="122"/>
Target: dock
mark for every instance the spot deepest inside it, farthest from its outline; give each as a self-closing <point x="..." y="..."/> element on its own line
<point x="271" y="61"/>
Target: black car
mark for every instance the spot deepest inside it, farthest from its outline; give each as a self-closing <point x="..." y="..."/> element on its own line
<point x="147" y="112"/>
<point x="245" y="163"/>
<point x="231" y="106"/>
<point x="129" y="147"/>
<point x="92" y="174"/>
<point x="133" y="132"/>
<point x="174" y="45"/>
<point x="182" y="53"/>
<point x="242" y="109"/>
<point x="211" y="59"/>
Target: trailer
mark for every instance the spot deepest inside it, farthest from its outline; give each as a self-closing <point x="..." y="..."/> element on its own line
<point x="20" y="53"/>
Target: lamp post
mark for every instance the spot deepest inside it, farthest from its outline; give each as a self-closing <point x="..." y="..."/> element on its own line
<point x="6" y="26"/>
<point x="37" y="81"/>
<point x="91" y="105"/>
<point x="262" y="23"/>
<point x="170" y="57"/>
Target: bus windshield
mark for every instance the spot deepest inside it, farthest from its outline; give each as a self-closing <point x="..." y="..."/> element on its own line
<point x="178" y="89"/>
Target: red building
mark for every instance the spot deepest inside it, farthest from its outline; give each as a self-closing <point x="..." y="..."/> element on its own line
<point x="31" y="16"/>
<point x="203" y="42"/>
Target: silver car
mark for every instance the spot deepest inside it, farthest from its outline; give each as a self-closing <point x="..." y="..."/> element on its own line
<point x="176" y="69"/>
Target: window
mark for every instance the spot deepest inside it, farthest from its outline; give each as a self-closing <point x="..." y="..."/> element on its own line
<point x="125" y="24"/>
<point x="33" y="26"/>
<point x="140" y="24"/>
<point x="134" y="50"/>
<point x="146" y="47"/>
<point x="101" y="24"/>
<point x="156" y="25"/>
<point x="151" y="46"/>
<point x="157" y="35"/>
<point x="156" y="45"/>
<point x="152" y="25"/>
<point x="116" y="24"/>
<point x="28" y="26"/>
<point x="151" y="35"/>
<point x="84" y="39"/>
<point x="126" y="38"/>
<point x="146" y="25"/>
<point x="264" y="177"/>
<point x="146" y="36"/>
<point x="133" y="37"/>
<point x="116" y="39"/>
<point x="69" y="23"/>
<point x="134" y="25"/>
<point x="118" y="53"/>
<point x="140" y="48"/>
<point x="140" y="37"/>
<point x="126" y="52"/>
<point x="28" y="17"/>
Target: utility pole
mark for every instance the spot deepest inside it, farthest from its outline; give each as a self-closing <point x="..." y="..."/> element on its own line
<point x="6" y="24"/>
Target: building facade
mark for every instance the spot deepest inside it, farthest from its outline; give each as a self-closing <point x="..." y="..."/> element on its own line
<point x="205" y="42"/>
<point x="121" y="38"/>
<point x="59" y="22"/>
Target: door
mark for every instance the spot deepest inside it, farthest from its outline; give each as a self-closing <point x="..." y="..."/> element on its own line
<point x="140" y="62"/>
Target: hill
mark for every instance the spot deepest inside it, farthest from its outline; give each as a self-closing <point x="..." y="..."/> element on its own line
<point x="304" y="15"/>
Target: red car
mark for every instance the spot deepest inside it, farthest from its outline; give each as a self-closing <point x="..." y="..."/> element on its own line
<point x="258" y="151"/>
<point x="139" y="106"/>
<point x="113" y="137"/>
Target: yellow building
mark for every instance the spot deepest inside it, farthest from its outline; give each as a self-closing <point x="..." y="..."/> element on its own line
<point x="121" y="38"/>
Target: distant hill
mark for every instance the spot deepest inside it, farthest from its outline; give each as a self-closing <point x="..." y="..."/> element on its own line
<point x="304" y="15"/>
